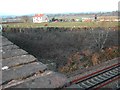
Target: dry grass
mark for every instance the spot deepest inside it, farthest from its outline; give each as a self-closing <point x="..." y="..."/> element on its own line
<point x="64" y="24"/>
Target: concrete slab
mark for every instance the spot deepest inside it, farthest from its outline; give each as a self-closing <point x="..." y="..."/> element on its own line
<point x="12" y="53"/>
<point x="22" y="71"/>
<point x="18" y="60"/>
<point x="9" y="47"/>
<point x="51" y="80"/>
<point x="3" y="43"/>
<point x="3" y="38"/>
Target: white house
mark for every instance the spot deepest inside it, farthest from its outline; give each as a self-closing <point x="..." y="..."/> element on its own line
<point x="39" y="18"/>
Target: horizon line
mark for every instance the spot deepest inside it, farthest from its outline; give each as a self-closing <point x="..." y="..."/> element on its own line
<point x="60" y="13"/>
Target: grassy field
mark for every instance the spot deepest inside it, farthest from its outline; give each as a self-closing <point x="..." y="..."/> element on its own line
<point x="64" y="24"/>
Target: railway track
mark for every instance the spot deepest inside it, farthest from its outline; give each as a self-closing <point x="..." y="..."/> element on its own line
<point x="96" y="79"/>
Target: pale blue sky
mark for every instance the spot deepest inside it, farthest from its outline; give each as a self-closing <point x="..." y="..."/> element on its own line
<point x="20" y="7"/>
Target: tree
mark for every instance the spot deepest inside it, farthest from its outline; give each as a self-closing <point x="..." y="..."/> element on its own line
<point x="53" y="19"/>
<point x="25" y="18"/>
<point x="100" y="38"/>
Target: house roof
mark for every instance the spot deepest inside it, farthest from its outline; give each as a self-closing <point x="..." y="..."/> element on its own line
<point x="38" y="15"/>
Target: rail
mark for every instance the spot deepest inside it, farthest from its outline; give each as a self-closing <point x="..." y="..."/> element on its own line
<point x="97" y="79"/>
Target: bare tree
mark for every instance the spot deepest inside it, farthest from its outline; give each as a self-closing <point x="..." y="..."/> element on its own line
<point x="25" y="18"/>
<point x="100" y="38"/>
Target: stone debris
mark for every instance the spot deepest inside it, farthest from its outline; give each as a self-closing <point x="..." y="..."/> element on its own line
<point x="5" y="67"/>
<point x="51" y="80"/>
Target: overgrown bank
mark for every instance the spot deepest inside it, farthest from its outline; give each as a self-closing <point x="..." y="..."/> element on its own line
<point x="69" y="48"/>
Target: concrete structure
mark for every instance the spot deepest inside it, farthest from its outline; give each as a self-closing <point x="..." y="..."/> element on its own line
<point x="39" y="18"/>
<point x="22" y="70"/>
<point x="0" y="28"/>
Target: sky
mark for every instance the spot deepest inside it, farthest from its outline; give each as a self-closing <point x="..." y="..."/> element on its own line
<point x="23" y="7"/>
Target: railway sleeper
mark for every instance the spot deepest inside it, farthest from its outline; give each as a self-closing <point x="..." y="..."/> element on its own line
<point x="111" y="72"/>
<point x="98" y="79"/>
<point x="101" y="77"/>
<point x="94" y="81"/>
<point x="90" y="82"/>
<point x="106" y="75"/>
<point x="84" y="85"/>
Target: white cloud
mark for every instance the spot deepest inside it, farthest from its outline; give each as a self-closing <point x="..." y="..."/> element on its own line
<point x="56" y="6"/>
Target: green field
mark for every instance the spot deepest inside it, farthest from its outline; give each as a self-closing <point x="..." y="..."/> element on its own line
<point x="64" y="24"/>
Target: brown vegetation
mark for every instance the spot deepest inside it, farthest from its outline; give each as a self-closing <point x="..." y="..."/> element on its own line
<point x="74" y="60"/>
<point x="95" y="59"/>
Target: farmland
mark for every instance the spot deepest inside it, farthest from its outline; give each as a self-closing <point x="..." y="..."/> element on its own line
<point x="63" y="24"/>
